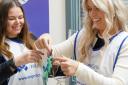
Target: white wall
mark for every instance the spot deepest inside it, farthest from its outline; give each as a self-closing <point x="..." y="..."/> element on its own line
<point x="57" y="27"/>
<point x="57" y="20"/>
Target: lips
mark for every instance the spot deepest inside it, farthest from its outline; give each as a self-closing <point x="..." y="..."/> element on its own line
<point x="95" y="20"/>
<point x="16" y="27"/>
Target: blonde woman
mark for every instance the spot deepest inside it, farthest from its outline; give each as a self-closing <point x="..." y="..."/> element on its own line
<point x="100" y="48"/>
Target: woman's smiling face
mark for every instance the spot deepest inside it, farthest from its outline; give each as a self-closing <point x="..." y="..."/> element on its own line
<point x="97" y="17"/>
<point x="15" y="22"/>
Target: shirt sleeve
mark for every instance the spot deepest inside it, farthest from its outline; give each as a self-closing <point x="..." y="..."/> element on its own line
<point x="7" y="69"/>
<point x="119" y="76"/>
<point x="65" y="48"/>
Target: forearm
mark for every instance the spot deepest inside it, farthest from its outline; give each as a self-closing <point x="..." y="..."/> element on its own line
<point x="62" y="49"/>
<point x="90" y="77"/>
<point x="65" y="48"/>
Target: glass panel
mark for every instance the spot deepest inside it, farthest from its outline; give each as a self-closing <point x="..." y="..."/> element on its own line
<point x="73" y="16"/>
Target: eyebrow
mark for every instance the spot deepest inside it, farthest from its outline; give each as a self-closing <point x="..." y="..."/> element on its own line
<point x="15" y="16"/>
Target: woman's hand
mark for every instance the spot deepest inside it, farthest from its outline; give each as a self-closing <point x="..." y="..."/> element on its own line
<point x="44" y="42"/>
<point x="68" y="66"/>
<point x="31" y="56"/>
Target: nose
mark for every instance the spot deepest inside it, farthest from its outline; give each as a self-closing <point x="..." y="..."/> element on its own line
<point x="17" y="21"/>
<point x="92" y="13"/>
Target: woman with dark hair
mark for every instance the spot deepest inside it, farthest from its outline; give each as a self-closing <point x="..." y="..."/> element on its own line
<point x="17" y="48"/>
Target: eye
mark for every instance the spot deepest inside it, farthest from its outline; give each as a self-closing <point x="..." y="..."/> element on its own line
<point x="89" y="9"/>
<point x="21" y="17"/>
<point x="11" y="18"/>
<point x="97" y="9"/>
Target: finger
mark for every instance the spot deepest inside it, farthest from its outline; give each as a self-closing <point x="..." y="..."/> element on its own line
<point x="47" y="45"/>
<point x="37" y="52"/>
<point x="64" y="67"/>
<point x="64" y="64"/>
<point x="66" y="70"/>
<point x="66" y="73"/>
<point x="56" y="62"/>
<point x="37" y="45"/>
<point x="37" y="55"/>
<point x="33" y="59"/>
<point x="42" y="43"/>
<point x="40" y="52"/>
<point x="61" y="59"/>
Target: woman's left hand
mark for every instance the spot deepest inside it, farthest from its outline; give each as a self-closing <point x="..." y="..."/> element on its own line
<point x="44" y="42"/>
<point x="68" y="66"/>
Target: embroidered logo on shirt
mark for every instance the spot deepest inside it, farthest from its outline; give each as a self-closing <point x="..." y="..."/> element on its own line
<point x="23" y="67"/>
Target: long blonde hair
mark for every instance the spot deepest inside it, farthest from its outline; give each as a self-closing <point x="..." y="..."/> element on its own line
<point x="115" y="19"/>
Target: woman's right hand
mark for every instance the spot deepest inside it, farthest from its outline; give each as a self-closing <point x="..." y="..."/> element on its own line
<point x="44" y="42"/>
<point x="31" y="56"/>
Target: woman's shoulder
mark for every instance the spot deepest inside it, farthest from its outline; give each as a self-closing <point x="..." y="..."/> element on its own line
<point x="119" y="38"/>
<point x="122" y="35"/>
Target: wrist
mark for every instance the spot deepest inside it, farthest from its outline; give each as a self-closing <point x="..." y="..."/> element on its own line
<point x="16" y="62"/>
<point x="77" y="67"/>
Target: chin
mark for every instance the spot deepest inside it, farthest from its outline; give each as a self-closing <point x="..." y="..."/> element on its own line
<point x="95" y="31"/>
<point x="17" y="33"/>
